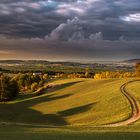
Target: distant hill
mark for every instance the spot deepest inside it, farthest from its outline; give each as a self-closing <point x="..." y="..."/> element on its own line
<point x="132" y="61"/>
<point x="64" y="63"/>
<point x="23" y="61"/>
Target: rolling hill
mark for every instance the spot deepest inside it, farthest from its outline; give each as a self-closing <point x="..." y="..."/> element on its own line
<point x="72" y="110"/>
<point x="132" y="61"/>
<point x="74" y="102"/>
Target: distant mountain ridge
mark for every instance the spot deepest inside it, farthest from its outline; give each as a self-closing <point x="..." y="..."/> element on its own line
<point x="45" y="62"/>
<point x="132" y="61"/>
<point x="35" y="62"/>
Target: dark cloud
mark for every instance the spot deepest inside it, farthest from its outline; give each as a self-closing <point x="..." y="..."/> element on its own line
<point x="70" y="28"/>
<point x="38" y="18"/>
<point x="94" y="48"/>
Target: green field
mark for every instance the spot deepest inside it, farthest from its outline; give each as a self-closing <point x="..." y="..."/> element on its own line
<point x="72" y="110"/>
<point x="22" y="133"/>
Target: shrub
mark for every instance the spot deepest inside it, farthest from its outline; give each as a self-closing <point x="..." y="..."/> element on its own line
<point x="34" y="86"/>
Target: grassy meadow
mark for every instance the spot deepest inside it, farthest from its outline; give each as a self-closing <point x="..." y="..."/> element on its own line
<point x="71" y="110"/>
<point x="35" y="133"/>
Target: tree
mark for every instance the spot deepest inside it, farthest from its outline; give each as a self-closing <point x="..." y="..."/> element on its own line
<point x="87" y="74"/>
<point x="97" y="76"/>
<point x="41" y="83"/>
<point x="137" y="71"/>
<point x="1" y="87"/>
<point x="45" y="76"/>
<point x="8" y="88"/>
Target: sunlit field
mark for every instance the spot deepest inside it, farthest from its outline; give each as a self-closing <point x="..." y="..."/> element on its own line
<point x="73" y="102"/>
<point x="72" y="108"/>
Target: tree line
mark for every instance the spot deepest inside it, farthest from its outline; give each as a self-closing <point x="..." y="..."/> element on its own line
<point x="11" y="86"/>
<point x="118" y="74"/>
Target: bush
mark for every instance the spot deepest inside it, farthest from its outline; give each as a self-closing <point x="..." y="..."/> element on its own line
<point x="34" y="86"/>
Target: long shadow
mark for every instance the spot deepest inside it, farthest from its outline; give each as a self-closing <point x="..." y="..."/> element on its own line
<point x="48" y="97"/>
<point x="24" y="96"/>
<point x="64" y="86"/>
<point x="27" y="115"/>
<point x="76" y="110"/>
<point x="42" y="99"/>
<point x="22" y="112"/>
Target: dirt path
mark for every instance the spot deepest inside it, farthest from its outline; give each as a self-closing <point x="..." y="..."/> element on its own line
<point x="135" y="115"/>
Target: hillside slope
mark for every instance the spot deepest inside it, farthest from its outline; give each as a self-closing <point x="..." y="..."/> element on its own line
<point x="73" y="102"/>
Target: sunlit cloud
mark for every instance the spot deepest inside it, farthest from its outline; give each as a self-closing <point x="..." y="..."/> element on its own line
<point x="78" y="7"/>
<point x="131" y="18"/>
<point x="4" y="52"/>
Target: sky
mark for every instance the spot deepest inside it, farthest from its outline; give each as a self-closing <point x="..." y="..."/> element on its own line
<point x="70" y="30"/>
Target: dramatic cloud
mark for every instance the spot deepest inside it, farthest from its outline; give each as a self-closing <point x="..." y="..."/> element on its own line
<point x="66" y="31"/>
<point x="69" y="29"/>
<point x="134" y="18"/>
<point x="87" y="49"/>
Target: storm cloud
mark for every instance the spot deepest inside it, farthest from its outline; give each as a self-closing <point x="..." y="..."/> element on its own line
<point x="69" y="29"/>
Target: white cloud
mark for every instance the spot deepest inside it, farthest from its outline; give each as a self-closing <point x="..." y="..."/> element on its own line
<point x="72" y="31"/>
<point x="96" y="36"/>
<point x="131" y="18"/>
<point x="76" y="36"/>
<point x="79" y="7"/>
<point x="65" y="30"/>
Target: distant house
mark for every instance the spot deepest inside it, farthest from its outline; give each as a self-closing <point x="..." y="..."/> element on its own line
<point x="37" y="73"/>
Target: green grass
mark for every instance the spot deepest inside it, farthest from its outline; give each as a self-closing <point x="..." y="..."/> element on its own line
<point x="134" y="88"/>
<point x="22" y="133"/>
<point x="76" y="104"/>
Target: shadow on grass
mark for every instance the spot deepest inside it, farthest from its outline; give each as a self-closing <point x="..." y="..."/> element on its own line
<point x="76" y="110"/>
<point x="23" y="113"/>
<point x="22" y="97"/>
<point x="65" y="85"/>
